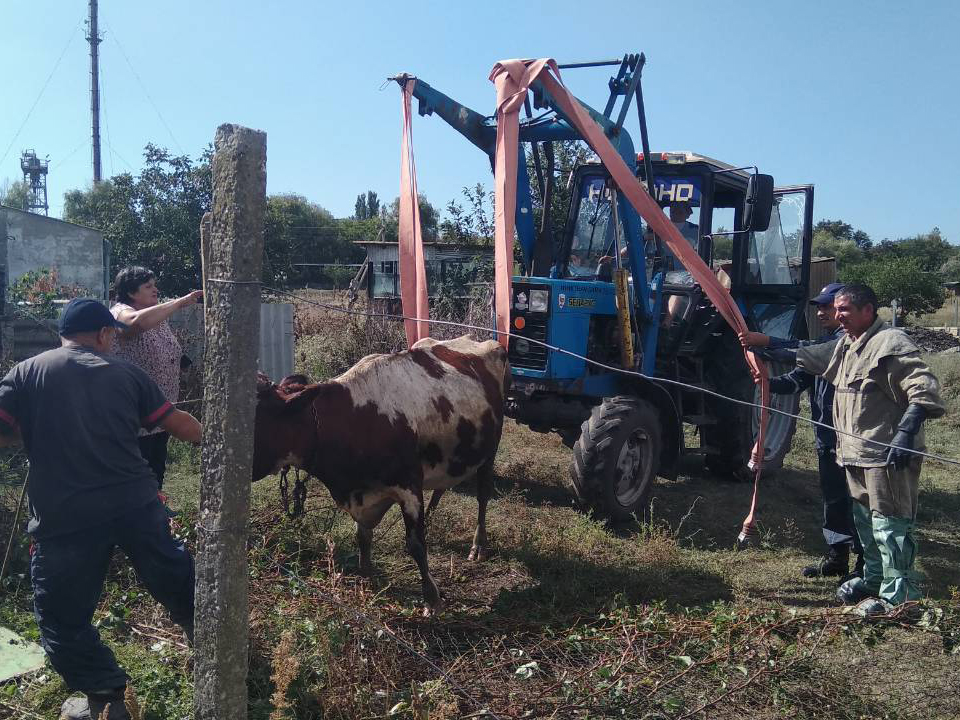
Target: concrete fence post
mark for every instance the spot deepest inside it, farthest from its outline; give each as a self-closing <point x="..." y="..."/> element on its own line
<point x="233" y="263"/>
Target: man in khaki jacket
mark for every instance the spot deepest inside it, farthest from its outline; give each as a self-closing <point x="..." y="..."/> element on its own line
<point x="884" y="392"/>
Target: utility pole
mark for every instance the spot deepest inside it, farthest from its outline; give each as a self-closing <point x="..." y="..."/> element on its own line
<point x="233" y="258"/>
<point x="94" y="39"/>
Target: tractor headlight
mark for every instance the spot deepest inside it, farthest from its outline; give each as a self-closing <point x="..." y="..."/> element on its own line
<point x="539" y="300"/>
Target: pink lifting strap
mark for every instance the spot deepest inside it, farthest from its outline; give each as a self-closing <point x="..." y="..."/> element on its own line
<point x="413" y="278"/>
<point x="512" y="78"/>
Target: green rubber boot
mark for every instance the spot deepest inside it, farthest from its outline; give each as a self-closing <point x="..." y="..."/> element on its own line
<point x="898" y="548"/>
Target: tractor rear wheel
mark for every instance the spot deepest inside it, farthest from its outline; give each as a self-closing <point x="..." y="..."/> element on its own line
<point x="733" y="436"/>
<point x="617" y="456"/>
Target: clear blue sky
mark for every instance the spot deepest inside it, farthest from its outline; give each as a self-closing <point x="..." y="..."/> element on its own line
<point x="858" y="98"/>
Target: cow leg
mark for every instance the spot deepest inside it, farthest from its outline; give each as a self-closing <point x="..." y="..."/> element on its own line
<point x="484" y="491"/>
<point x="364" y="542"/>
<point x="434" y="499"/>
<point x="367" y="520"/>
<point x="413" y="518"/>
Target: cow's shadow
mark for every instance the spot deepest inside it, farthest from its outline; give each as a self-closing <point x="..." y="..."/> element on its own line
<point x="562" y="588"/>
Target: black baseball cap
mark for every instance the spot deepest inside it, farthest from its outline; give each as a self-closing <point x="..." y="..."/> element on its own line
<point x="827" y="295"/>
<point x="86" y="315"/>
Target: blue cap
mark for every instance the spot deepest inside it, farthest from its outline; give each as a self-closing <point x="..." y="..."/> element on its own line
<point x="827" y="295"/>
<point x="83" y="315"/>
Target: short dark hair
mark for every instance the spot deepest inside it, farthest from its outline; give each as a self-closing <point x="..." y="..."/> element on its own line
<point x="129" y="281"/>
<point x="860" y="295"/>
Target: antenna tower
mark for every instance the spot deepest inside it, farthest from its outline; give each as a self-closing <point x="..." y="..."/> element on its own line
<point x="35" y="180"/>
<point x="93" y="37"/>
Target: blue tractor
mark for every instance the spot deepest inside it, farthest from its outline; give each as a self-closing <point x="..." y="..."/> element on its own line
<point x="625" y="430"/>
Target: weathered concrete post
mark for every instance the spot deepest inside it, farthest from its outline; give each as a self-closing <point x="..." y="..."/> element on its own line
<point x="232" y="318"/>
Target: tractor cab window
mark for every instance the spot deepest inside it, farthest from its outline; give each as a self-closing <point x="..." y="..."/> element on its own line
<point x="774" y="255"/>
<point x="679" y="196"/>
<point x="593" y="229"/>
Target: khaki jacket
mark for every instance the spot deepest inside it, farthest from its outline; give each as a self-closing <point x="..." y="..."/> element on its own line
<point x="876" y="376"/>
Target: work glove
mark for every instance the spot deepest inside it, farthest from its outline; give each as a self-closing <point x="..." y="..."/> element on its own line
<point x="899" y="455"/>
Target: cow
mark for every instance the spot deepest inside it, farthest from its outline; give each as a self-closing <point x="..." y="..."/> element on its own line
<point x="389" y="428"/>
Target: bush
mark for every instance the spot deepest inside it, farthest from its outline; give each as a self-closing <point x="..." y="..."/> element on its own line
<point x="40" y="289"/>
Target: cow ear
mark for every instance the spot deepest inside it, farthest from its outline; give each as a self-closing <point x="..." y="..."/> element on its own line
<point x="299" y="400"/>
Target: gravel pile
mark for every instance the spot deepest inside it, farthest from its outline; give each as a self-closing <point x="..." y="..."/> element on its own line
<point x="932" y="340"/>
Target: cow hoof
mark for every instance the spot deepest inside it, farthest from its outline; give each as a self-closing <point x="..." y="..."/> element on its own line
<point x="435" y="609"/>
<point x="477" y="554"/>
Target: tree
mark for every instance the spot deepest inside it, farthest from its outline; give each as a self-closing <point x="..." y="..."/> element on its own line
<point x="14" y="194"/>
<point x="930" y="249"/>
<point x="950" y="270"/>
<point x="299" y="231"/>
<point x="153" y="219"/>
<point x="472" y="225"/>
<point x="900" y="279"/>
<point x="846" y="251"/>
<point x="844" y="232"/>
<point x="367" y="206"/>
<point x="429" y="220"/>
<point x="568" y="155"/>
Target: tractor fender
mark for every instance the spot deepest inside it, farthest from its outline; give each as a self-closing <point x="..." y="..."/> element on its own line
<point x="672" y="432"/>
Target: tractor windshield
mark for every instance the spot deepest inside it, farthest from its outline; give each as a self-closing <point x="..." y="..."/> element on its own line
<point x="593" y="228"/>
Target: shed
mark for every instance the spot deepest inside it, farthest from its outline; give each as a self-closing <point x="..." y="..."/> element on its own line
<point x="441" y="260"/>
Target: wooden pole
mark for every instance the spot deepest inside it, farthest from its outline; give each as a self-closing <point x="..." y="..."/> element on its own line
<point x="232" y="319"/>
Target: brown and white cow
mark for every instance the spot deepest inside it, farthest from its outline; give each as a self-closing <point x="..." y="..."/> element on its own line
<point x="389" y="428"/>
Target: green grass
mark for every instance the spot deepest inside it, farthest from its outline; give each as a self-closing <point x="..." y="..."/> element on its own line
<point x="568" y="617"/>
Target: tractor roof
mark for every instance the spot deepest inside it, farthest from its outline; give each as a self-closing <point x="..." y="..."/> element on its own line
<point x="683" y="157"/>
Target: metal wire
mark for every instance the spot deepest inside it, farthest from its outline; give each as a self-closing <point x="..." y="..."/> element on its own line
<point x="611" y="368"/>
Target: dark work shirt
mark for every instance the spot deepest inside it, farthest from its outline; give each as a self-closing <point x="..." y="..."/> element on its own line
<point x="821" y="391"/>
<point x="79" y="413"/>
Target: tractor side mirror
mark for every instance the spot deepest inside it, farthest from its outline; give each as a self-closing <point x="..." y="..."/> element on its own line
<point x="759" y="203"/>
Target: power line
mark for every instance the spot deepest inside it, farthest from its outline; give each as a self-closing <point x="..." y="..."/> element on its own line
<point x="143" y="87"/>
<point x="42" y="90"/>
<point x="69" y="154"/>
<point x="612" y="368"/>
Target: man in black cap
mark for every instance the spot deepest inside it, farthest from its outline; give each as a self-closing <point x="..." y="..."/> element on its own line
<point x="78" y="411"/>
<point x="838" y="528"/>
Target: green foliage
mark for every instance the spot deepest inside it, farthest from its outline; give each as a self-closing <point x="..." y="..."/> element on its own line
<point x="40" y="289"/>
<point x="429" y="220"/>
<point x="297" y="230"/>
<point x="722" y="245"/>
<point x="14" y="194"/>
<point x="930" y="249"/>
<point x="568" y="155"/>
<point x="901" y="279"/>
<point x="845" y="251"/>
<point x="367" y="206"/>
<point x="843" y="232"/>
<point x="950" y="270"/>
<point x="473" y="224"/>
<point x="153" y="219"/>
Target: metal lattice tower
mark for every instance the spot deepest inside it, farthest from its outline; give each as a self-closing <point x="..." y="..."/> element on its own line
<point x="35" y="180"/>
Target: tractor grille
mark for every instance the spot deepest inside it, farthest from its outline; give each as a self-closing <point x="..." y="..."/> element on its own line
<point x="524" y="354"/>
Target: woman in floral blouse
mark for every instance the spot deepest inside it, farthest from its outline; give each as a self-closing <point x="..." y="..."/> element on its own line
<point x="149" y="343"/>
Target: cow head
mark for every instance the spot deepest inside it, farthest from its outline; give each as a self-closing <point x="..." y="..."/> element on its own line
<point x="285" y="429"/>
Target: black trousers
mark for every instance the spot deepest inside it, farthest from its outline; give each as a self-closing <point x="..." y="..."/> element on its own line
<point x="153" y="448"/>
<point x="68" y="572"/>
<point x="838" y="527"/>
